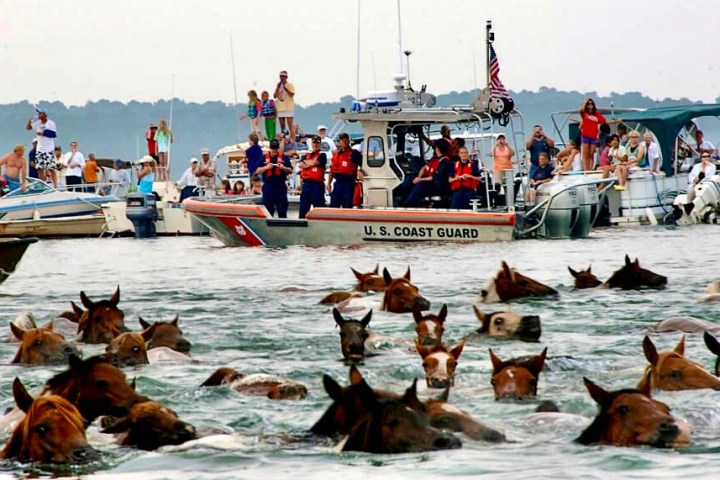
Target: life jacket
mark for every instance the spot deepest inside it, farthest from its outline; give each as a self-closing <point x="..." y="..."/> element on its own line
<point x="316" y="173"/>
<point x="431" y="167"/>
<point x="464" y="169"/>
<point x="274" y="171"/>
<point x="253" y="109"/>
<point x="342" y="164"/>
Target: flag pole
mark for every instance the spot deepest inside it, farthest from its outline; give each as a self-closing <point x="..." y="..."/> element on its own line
<point x="489" y="37"/>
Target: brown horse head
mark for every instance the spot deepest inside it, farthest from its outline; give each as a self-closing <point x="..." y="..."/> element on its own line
<point x="128" y="349"/>
<point x="101" y="322"/>
<point x="440" y="363"/>
<point x="370" y="282"/>
<point x="167" y="334"/>
<point x="270" y="386"/>
<point x="353" y="334"/>
<point x="401" y="296"/>
<point x="585" y="278"/>
<point x="429" y="327"/>
<point x="509" y="324"/>
<point x="670" y="370"/>
<point x="53" y="431"/>
<point x="517" y="378"/>
<point x="714" y="346"/>
<point x="632" y="276"/>
<point x="41" y="346"/>
<point x="95" y="387"/>
<point x="630" y="418"/>
<point x="391" y="426"/>
<point x="509" y="284"/>
<point x="149" y="426"/>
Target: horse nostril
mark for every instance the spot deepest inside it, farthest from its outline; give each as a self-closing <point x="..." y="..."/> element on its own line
<point x="84" y="454"/>
<point x="668" y="428"/>
<point x="183" y="346"/>
<point x="446" y="442"/>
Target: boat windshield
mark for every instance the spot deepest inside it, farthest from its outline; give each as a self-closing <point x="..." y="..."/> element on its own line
<point x="34" y="187"/>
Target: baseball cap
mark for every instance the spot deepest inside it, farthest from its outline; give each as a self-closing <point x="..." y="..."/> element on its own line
<point x="283" y="73"/>
<point x="205" y="151"/>
<point x="118" y="161"/>
<point x="274" y="144"/>
<point x="321" y="127"/>
<point x="41" y="110"/>
<point x="146" y="159"/>
<point x="193" y="160"/>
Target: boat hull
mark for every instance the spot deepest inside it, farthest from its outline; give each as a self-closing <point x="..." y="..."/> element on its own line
<point x="11" y="251"/>
<point x="172" y="220"/>
<point x="251" y="225"/>
<point x="77" y="226"/>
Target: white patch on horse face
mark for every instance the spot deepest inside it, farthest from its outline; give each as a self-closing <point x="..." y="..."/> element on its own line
<point x="442" y="359"/>
<point x="510" y="374"/>
<point x="431" y="329"/>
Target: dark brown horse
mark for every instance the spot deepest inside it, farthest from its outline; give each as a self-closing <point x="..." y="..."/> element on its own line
<point x="630" y="276"/>
<point x="353" y="334"/>
<point x="95" y="387"/>
<point x="509" y="324"/>
<point x="53" y="431"/>
<point x="149" y="426"/>
<point x="670" y="370"/>
<point x="429" y="327"/>
<point x="508" y="284"/>
<point x="128" y="349"/>
<point x="270" y="386"/>
<point x="517" y="378"/>
<point x="401" y="296"/>
<point x="629" y="418"/>
<point x="439" y="363"/>
<point x="167" y="334"/>
<point x="41" y="346"/>
<point x="101" y="322"/>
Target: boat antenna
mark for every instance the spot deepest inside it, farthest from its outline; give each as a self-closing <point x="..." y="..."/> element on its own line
<point x="489" y="38"/>
<point x="232" y="62"/>
<point x="407" y="59"/>
<point x="400" y="49"/>
<point x="357" y="56"/>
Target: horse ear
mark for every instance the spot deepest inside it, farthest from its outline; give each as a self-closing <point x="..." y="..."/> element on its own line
<point x="175" y="320"/>
<point x="366" y="319"/>
<point x="506" y="269"/>
<point x="538" y="362"/>
<point x="49" y="326"/>
<point x="589" y="270"/>
<point x="77" y="310"/>
<point x="599" y="394"/>
<point x="115" y="299"/>
<point x="357" y="274"/>
<point x="573" y="272"/>
<point x="149" y="332"/>
<point x="442" y="314"/>
<point x="377" y="269"/>
<point x="484" y="319"/>
<point x="712" y="343"/>
<point x="455" y="352"/>
<point x="119" y="425"/>
<point x="75" y="362"/>
<point x="417" y="313"/>
<point x="17" y="331"/>
<point x="333" y="389"/>
<point x="87" y="303"/>
<point x="636" y="263"/>
<point x="496" y="361"/>
<point x="145" y="325"/>
<point x="22" y="398"/>
<point x="407" y="274"/>
<point x="627" y="260"/>
<point x="680" y="347"/>
<point x="646" y="385"/>
<point x="338" y="317"/>
<point x="355" y="375"/>
<point x="133" y="384"/>
<point x="411" y="399"/>
<point x="650" y="351"/>
<point x="386" y="276"/>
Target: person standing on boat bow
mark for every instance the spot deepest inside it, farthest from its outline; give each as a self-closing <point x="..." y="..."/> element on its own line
<point x="274" y="173"/>
<point x="46" y="131"/>
<point x="75" y="163"/>
<point x="205" y="173"/>
<point x="312" y="173"/>
<point x="345" y="170"/>
<point x="285" y="104"/>
<point x="537" y="144"/>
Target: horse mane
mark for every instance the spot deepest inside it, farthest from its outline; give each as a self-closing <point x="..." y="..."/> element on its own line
<point x="62" y="379"/>
<point x="594" y="432"/>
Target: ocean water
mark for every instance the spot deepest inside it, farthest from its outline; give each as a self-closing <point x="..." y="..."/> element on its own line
<point x="234" y="311"/>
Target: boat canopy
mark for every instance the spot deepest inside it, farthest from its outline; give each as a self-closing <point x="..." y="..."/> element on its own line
<point x="667" y="122"/>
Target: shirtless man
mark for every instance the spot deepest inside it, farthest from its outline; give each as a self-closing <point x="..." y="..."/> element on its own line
<point x="15" y="169"/>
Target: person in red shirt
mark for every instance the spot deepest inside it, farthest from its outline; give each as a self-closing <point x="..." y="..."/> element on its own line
<point x="151" y="142"/>
<point x="590" y="120"/>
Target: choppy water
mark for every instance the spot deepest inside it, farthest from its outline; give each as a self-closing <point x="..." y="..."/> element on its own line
<point x="232" y="311"/>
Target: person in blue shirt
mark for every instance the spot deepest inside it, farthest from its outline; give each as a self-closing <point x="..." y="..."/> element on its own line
<point x="542" y="174"/>
<point x="254" y="154"/>
<point x="274" y="174"/>
<point x="537" y="143"/>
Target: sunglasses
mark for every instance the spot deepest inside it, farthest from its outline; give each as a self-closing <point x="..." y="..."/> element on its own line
<point x="705" y="156"/>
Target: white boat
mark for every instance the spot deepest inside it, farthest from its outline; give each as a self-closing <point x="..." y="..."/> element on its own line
<point x="92" y="225"/>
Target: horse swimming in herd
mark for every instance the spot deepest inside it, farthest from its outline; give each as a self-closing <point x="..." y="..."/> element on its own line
<point x="353" y="335"/>
<point x="631" y="276"/>
<point x="671" y="370"/>
<point x="509" y="325"/>
<point x="100" y="322"/>
<point x="516" y="378"/>
<point x="42" y="346"/>
<point x="509" y="284"/>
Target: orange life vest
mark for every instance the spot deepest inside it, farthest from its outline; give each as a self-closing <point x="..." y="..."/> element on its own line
<point x="274" y="171"/>
<point x="464" y="169"/>
<point x="431" y="167"/>
<point x="342" y="164"/>
<point x="316" y="173"/>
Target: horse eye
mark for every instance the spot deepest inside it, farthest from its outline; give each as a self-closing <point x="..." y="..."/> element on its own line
<point x="41" y="429"/>
<point x="101" y="384"/>
<point x="136" y="349"/>
<point x="676" y="374"/>
<point x="493" y="382"/>
<point x="623" y="410"/>
<point x="38" y="343"/>
<point x="452" y="364"/>
<point x="499" y="321"/>
<point x="424" y="364"/>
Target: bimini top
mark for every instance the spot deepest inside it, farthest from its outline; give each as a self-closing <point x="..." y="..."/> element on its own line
<point x="666" y="123"/>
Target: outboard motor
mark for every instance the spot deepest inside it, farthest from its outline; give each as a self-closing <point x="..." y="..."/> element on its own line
<point x="563" y="212"/>
<point x="141" y="210"/>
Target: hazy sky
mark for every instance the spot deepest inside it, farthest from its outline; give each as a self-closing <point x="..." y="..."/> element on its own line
<point x="79" y="50"/>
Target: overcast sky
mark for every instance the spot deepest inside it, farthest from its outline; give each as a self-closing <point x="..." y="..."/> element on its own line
<point x="79" y="50"/>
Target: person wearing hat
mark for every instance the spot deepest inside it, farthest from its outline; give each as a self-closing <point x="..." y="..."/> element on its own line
<point x="274" y="174"/>
<point x="285" y="104"/>
<point x="146" y="174"/>
<point x="120" y="178"/>
<point x="151" y="141"/>
<point x="188" y="181"/>
<point x="205" y="172"/>
<point x="46" y="130"/>
<point x="345" y="170"/>
<point x="326" y="143"/>
<point x="312" y="172"/>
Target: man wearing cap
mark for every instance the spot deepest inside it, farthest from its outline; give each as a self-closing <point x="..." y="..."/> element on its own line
<point x="205" y="172"/>
<point x="118" y="176"/>
<point x="75" y="163"/>
<point x="151" y="142"/>
<point x="274" y="174"/>
<point x="312" y="172"/>
<point x="46" y="131"/>
<point x="285" y="102"/>
<point x="345" y="170"/>
<point x="326" y="143"/>
<point x="188" y="181"/>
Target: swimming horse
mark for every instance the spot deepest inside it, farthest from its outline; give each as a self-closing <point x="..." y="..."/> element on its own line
<point x="101" y="322"/>
<point x="516" y="378"/>
<point x="41" y="346"/>
<point x="439" y="363"/>
<point x="670" y="370"/>
<point x="400" y="295"/>
<point x="128" y="349"/>
<point x="430" y="326"/>
<point x="52" y="431"/>
<point x="630" y="276"/>
<point x="367" y="282"/>
<point x="630" y="417"/>
<point x="353" y="335"/>
<point x="509" y="324"/>
<point x="271" y="386"/>
<point x="167" y="334"/>
<point x="508" y="284"/>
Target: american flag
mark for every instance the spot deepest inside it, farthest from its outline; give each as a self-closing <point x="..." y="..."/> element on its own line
<point x="496" y="86"/>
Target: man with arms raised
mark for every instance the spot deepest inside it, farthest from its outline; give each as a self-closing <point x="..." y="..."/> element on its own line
<point x="15" y="173"/>
<point x="46" y="131"/>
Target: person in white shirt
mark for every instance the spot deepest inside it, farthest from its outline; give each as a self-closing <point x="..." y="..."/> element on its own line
<point x="699" y="171"/>
<point x="75" y="163"/>
<point x="326" y="143"/>
<point x="703" y="146"/>
<point x="188" y="181"/>
<point x="46" y="132"/>
<point x="120" y="176"/>
<point x="653" y="153"/>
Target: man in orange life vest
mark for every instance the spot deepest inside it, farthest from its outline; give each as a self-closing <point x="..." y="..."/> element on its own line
<point x="274" y="173"/>
<point x="464" y="181"/>
<point x="345" y="170"/>
<point x="312" y="172"/>
<point x="427" y="182"/>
